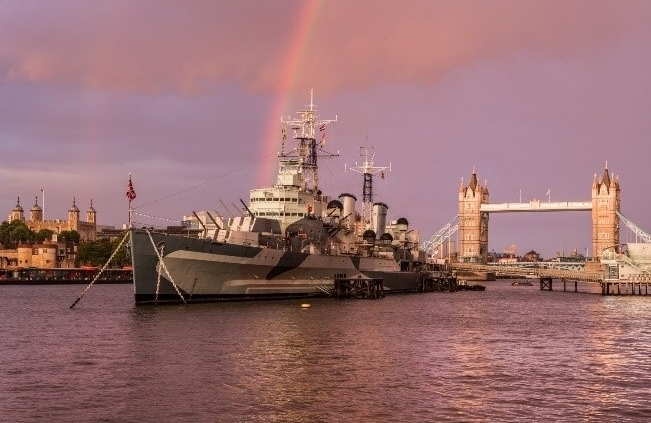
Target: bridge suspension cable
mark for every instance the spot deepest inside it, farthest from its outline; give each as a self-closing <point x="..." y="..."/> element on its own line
<point x="634" y="228"/>
<point x="443" y="234"/>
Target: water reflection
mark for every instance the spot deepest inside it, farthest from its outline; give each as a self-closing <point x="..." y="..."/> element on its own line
<point x="506" y="354"/>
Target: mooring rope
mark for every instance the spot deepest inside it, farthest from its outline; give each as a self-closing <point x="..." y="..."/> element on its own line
<point x="158" y="268"/>
<point x="162" y="263"/>
<point x="102" y="270"/>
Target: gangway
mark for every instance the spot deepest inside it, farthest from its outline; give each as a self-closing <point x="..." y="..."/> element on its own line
<point x="640" y="268"/>
<point x="639" y="233"/>
<point x="443" y="234"/>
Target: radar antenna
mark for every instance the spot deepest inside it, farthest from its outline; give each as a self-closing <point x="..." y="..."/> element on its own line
<point x="368" y="169"/>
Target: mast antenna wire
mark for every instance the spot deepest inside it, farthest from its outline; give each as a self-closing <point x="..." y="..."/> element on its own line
<point x="183" y="191"/>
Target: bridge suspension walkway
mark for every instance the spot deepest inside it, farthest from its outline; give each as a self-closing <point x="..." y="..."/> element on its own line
<point x="441" y="236"/>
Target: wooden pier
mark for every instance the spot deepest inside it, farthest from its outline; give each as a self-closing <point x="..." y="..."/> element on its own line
<point x="438" y="281"/>
<point x="546" y="283"/>
<point x="358" y="287"/>
<point x="615" y="288"/>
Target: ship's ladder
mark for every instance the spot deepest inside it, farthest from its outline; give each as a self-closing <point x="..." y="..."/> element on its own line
<point x="626" y="259"/>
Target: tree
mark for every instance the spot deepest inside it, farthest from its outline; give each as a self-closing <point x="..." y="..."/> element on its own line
<point x="44" y="235"/>
<point x="70" y="236"/>
<point x="11" y="233"/>
<point x="121" y="258"/>
<point x="97" y="253"/>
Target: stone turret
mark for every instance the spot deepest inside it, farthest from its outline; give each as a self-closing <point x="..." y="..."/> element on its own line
<point x="606" y="200"/>
<point x="473" y="224"/>
<point x="36" y="212"/>
<point x="87" y="230"/>
<point x="73" y="216"/>
<point x="17" y="213"/>
<point x="91" y="214"/>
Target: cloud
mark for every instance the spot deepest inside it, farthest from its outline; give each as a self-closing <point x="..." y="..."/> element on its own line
<point x="182" y="46"/>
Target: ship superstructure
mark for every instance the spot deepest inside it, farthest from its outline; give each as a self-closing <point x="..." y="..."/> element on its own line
<point x="627" y="262"/>
<point x="296" y="193"/>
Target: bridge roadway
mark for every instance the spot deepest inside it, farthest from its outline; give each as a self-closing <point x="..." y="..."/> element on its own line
<point x="536" y="205"/>
<point x="532" y="272"/>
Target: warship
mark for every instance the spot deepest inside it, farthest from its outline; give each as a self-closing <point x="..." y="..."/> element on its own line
<point x="292" y="240"/>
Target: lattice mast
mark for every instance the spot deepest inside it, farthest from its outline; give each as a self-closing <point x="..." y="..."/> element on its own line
<point x="303" y="158"/>
<point x="368" y="169"/>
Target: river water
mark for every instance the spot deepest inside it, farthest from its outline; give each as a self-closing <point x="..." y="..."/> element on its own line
<point x="505" y="354"/>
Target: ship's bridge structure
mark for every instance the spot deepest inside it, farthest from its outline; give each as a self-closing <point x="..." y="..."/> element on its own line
<point x="475" y="208"/>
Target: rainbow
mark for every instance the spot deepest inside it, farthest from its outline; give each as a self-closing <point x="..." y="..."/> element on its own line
<point x="287" y="78"/>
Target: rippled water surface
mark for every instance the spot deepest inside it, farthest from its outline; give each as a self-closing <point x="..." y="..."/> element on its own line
<point x="505" y="354"/>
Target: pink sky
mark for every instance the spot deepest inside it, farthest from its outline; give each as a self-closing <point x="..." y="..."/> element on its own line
<point x="187" y="97"/>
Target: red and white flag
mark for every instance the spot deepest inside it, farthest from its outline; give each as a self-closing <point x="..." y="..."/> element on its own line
<point x="131" y="193"/>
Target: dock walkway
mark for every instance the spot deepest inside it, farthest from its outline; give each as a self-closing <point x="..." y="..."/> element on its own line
<point x="638" y="285"/>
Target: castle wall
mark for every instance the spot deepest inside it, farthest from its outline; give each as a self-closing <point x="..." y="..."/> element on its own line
<point x="49" y="254"/>
<point x="44" y="255"/>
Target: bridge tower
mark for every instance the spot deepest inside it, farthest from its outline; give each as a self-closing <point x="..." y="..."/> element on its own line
<point x="605" y="206"/>
<point x="473" y="223"/>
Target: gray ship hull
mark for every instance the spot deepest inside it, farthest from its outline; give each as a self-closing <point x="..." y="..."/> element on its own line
<point x="209" y="271"/>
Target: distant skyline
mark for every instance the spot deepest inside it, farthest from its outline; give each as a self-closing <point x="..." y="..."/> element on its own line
<point x="187" y="97"/>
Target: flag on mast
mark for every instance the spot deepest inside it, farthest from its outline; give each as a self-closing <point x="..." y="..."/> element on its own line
<point x="131" y="193"/>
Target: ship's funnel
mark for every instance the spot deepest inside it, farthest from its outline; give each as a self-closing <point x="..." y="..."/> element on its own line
<point x="348" y="201"/>
<point x="379" y="218"/>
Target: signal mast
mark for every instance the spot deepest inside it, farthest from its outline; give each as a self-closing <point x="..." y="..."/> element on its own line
<point x="302" y="160"/>
<point x="368" y="169"/>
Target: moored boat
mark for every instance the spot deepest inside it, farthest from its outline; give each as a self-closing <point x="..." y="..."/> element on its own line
<point x="294" y="241"/>
<point x="465" y="286"/>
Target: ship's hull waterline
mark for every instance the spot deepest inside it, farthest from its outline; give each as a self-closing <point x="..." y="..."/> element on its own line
<point x="209" y="271"/>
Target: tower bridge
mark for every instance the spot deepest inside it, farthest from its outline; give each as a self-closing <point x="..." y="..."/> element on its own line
<point x="618" y="268"/>
<point x="475" y="208"/>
